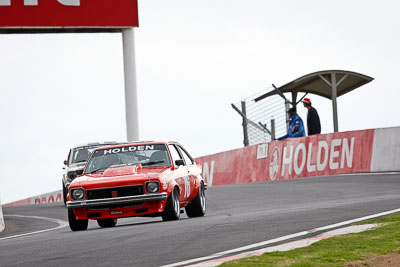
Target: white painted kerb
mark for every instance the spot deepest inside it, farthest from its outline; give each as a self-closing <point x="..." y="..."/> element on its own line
<point x="2" y="224"/>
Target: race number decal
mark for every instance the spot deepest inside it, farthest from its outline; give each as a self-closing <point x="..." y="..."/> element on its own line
<point x="187" y="186"/>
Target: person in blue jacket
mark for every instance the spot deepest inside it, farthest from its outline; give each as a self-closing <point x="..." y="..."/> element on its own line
<point x="296" y="126"/>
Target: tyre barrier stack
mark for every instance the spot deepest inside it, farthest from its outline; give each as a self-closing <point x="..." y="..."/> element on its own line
<point x="2" y="224"/>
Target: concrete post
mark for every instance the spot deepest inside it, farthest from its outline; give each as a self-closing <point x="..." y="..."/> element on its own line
<point x="2" y="224"/>
<point x="131" y="102"/>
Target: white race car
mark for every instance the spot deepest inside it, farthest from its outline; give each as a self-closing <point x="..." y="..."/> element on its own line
<point x="76" y="161"/>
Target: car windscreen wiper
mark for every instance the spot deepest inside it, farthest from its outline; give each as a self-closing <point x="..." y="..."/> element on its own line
<point x="153" y="162"/>
<point x="80" y="161"/>
<point x="98" y="170"/>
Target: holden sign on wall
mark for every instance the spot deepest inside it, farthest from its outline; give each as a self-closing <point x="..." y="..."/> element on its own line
<point x="316" y="155"/>
<point x="34" y="14"/>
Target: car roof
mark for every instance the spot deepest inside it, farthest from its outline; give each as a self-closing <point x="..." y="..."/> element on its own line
<point x="133" y="143"/>
<point x="139" y="143"/>
<point x="106" y="143"/>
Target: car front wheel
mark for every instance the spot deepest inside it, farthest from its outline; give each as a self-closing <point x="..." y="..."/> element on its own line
<point x="74" y="224"/>
<point x="197" y="207"/>
<point x="172" y="209"/>
<point x="105" y="223"/>
<point x="64" y="193"/>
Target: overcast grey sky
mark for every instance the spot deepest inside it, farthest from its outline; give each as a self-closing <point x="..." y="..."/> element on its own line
<point x="194" y="58"/>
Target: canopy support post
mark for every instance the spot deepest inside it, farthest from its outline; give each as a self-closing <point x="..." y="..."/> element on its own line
<point x="334" y="102"/>
<point x="287" y="107"/>
<point x="294" y="99"/>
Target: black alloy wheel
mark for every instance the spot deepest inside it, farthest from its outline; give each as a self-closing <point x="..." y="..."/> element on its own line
<point x="65" y="193"/>
<point x="197" y="206"/>
<point x="172" y="209"/>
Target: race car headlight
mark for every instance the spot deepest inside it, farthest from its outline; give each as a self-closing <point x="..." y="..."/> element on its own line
<point x="152" y="187"/>
<point x="77" y="194"/>
<point x="72" y="175"/>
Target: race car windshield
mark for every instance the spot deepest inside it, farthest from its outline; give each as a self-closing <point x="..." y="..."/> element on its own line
<point x="147" y="155"/>
<point x="81" y="154"/>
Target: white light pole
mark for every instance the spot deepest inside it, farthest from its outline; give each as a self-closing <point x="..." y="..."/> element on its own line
<point x="131" y="108"/>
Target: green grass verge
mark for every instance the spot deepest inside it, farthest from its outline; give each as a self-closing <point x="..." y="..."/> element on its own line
<point x="336" y="251"/>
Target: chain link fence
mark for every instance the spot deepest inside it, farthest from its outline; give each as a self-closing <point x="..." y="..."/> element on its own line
<point x="263" y="120"/>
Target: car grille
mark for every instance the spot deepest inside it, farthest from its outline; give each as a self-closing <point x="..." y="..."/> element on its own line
<point x="114" y="206"/>
<point x="115" y="192"/>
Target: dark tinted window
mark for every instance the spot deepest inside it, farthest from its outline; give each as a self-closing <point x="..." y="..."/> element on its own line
<point x="81" y="154"/>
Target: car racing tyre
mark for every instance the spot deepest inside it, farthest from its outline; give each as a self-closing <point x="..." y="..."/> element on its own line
<point x="74" y="224"/>
<point x="197" y="206"/>
<point x="105" y="223"/>
<point x="64" y="193"/>
<point x="172" y="209"/>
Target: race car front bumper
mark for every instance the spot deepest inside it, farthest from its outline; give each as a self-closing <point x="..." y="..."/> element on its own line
<point x="118" y="200"/>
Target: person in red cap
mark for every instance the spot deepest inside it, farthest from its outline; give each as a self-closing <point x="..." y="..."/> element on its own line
<point x="313" y="123"/>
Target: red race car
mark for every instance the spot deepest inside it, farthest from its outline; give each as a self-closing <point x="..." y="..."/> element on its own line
<point x="136" y="179"/>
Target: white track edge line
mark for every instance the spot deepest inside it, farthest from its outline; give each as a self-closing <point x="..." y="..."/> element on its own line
<point x="283" y="238"/>
<point x="61" y="224"/>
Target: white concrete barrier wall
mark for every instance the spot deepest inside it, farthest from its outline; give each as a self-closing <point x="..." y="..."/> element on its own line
<point x="386" y="150"/>
<point x="2" y="224"/>
<point x="52" y="197"/>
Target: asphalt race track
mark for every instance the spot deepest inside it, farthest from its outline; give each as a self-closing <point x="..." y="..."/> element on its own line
<point x="237" y="215"/>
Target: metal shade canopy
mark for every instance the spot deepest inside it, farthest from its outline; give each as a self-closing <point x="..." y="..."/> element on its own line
<point x="328" y="83"/>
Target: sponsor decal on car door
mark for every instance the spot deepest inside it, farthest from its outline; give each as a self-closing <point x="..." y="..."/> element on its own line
<point x="180" y="172"/>
<point x="190" y="167"/>
<point x="187" y="187"/>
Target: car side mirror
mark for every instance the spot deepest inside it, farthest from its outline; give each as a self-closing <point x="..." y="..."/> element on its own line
<point x="79" y="172"/>
<point x="65" y="162"/>
<point x="179" y="162"/>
